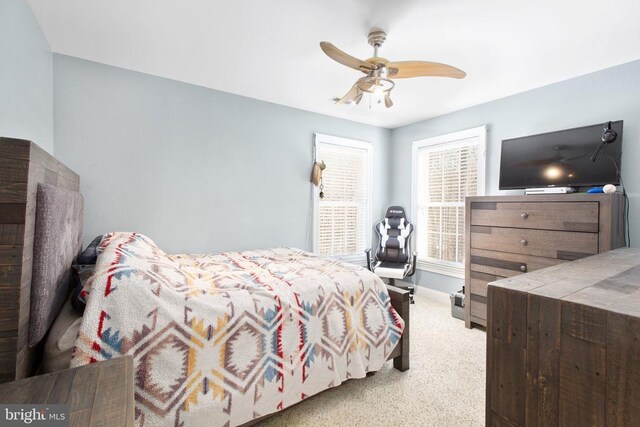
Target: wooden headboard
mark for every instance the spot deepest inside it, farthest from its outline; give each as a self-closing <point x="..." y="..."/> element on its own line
<point x="22" y="166"/>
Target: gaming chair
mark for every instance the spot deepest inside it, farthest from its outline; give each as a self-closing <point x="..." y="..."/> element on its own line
<point x="392" y="260"/>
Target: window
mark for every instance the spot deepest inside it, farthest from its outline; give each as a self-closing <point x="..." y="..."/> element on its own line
<point x="343" y="217"/>
<point x="446" y="169"/>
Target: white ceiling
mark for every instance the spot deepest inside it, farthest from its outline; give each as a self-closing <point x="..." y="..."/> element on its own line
<point x="269" y="49"/>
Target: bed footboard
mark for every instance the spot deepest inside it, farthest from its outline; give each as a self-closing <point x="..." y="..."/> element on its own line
<point x="401" y="303"/>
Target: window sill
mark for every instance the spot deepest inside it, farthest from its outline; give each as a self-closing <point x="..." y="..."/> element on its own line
<point x="446" y="269"/>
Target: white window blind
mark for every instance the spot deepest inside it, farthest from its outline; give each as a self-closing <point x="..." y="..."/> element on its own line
<point x="343" y="216"/>
<point x="446" y="170"/>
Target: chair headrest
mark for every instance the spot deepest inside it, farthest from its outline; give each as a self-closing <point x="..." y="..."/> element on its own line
<point x="395" y="212"/>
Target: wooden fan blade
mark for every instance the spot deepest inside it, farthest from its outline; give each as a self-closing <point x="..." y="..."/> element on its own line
<point x="344" y="58"/>
<point x="408" y="69"/>
<point x="349" y="96"/>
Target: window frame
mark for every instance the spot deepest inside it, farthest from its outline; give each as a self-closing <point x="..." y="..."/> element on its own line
<point x="435" y="265"/>
<point x="320" y="138"/>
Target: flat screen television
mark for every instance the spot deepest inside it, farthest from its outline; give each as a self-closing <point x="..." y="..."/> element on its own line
<point x="561" y="159"/>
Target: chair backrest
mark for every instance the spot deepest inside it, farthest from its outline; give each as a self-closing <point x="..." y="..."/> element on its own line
<point x="394" y="232"/>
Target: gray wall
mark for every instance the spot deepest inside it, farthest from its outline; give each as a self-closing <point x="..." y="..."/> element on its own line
<point x="202" y="170"/>
<point x="610" y="94"/>
<point x="195" y="169"/>
<point x="26" y="76"/>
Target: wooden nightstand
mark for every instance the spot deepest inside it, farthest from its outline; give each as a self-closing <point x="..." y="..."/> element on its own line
<point x="97" y="394"/>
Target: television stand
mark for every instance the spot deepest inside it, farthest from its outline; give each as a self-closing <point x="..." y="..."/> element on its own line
<point x="550" y="190"/>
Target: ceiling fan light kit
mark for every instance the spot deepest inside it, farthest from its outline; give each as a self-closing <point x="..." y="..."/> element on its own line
<point x="380" y="71"/>
<point x="377" y="85"/>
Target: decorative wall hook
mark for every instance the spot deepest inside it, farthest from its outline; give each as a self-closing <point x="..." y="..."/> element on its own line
<point x="316" y="176"/>
<point x="316" y="172"/>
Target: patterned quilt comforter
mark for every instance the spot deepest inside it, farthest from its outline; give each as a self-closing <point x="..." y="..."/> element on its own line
<point x="223" y="339"/>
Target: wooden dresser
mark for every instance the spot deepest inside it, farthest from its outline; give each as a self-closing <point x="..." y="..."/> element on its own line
<point x="563" y="344"/>
<point x="511" y="235"/>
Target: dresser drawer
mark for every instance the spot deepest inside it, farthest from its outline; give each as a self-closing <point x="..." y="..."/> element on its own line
<point x="478" y="283"/>
<point x="506" y="264"/>
<point x="477" y="294"/>
<point x="479" y="312"/>
<point x="562" y="216"/>
<point x="564" y="245"/>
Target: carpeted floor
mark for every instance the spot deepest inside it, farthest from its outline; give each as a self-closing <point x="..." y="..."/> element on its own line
<point x="444" y="387"/>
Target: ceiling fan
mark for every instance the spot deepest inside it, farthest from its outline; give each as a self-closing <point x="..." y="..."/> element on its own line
<point x="380" y="72"/>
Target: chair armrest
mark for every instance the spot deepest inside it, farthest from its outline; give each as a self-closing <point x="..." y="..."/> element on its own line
<point x="368" y="252"/>
<point x="413" y="263"/>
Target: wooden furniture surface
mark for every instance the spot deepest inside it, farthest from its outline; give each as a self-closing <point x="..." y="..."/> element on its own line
<point x="99" y="394"/>
<point x="511" y="235"/>
<point x="22" y="166"/>
<point x="563" y="344"/>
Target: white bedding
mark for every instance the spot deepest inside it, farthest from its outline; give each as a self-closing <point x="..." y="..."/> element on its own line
<point x="223" y="339"/>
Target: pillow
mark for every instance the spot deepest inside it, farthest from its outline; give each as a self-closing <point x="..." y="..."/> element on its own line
<point x="81" y="272"/>
<point x="61" y="339"/>
<point x="90" y="254"/>
<point x="81" y="286"/>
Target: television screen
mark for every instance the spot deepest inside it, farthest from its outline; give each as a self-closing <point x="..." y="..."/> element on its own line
<point x="561" y="159"/>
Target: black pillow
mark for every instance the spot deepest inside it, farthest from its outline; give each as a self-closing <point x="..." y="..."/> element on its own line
<point x="80" y="275"/>
<point x="77" y="303"/>
<point x="89" y="255"/>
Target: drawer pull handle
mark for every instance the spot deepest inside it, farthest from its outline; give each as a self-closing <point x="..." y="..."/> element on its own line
<point x="524" y="215"/>
<point x="523" y="268"/>
<point x="523" y="242"/>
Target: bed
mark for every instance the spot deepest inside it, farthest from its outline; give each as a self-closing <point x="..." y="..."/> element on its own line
<point x="229" y="338"/>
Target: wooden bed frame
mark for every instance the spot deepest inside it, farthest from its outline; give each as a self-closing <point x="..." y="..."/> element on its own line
<point x="401" y="302"/>
<point x="22" y="166"/>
